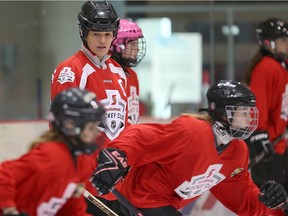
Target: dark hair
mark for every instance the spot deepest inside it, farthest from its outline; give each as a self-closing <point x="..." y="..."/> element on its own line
<point x="248" y="72"/>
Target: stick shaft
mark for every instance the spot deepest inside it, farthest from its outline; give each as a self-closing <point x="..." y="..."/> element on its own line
<point x="126" y="203"/>
<point x="98" y="203"/>
<point x="256" y="159"/>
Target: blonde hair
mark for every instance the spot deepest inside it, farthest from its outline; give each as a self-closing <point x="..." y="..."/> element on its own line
<point x="47" y="136"/>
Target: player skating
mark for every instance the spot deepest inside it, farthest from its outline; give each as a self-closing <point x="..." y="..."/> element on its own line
<point x="46" y="180"/>
<point x="173" y="164"/>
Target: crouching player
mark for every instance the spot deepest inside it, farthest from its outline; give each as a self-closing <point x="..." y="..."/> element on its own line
<point x="173" y="164"/>
<point x="45" y="181"/>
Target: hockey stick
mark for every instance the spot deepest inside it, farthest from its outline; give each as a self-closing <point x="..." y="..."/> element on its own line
<point x="133" y="210"/>
<point x="98" y="203"/>
<point x="262" y="154"/>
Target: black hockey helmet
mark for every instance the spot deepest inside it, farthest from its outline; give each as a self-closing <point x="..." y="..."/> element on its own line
<point x="75" y="107"/>
<point x="97" y="16"/>
<point x="270" y="30"/>
<point x="225" y="98"/>
<point x="226" y="92"/>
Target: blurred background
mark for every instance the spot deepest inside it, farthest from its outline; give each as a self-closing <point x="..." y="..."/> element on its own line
<point x="190" y="44"/>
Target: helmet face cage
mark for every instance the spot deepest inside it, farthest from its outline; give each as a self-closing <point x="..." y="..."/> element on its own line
<point x="130" y="44"/>
<point x="234" y="105"/>
<point x="136" y="46"/>
<point x="270" y="30"/>
<point x="97" y="16"/>
<point x="242" y="120"/>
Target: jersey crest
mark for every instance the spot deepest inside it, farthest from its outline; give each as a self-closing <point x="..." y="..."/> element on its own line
<point x="115" y="108"/>
<point x="201" y="183"/>
<point x="66" y="75"/>
<point x="284" y="106"/>
<point x="54" y="204"/>
<point x="133" y="106"/>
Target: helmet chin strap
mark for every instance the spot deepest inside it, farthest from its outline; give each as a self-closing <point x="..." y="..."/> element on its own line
<point x="221" y="133"/>
<point x="78" y="147"/>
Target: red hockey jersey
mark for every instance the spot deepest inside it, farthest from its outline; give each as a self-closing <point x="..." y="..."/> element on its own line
<point x="173" y="164"/>
<point x="106" y="79"/>
<point x="132" y="96"/>
<point x="269" y="83"/>
<point x="42" y="182"/>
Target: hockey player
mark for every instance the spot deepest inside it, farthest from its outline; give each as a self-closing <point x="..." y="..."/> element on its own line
<point x="93" y="69"/>
<point x="173" y="164"/>
<point x="45" y="181"/>
<point x="267" y="78"/>
<point x="129" y="49"/>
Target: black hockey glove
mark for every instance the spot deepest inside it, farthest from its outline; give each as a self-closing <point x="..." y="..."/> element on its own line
<point x="273" y="195"/>
<point x="258" y="143"/>
<point x="112" y="165"/>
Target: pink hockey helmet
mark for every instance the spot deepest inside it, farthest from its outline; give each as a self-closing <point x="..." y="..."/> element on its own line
<point x="129" y="31"/>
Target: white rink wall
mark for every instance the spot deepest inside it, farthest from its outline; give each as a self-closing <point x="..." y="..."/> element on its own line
<point x="16" y="136"/>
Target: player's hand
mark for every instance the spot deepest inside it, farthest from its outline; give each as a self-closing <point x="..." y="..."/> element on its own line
<point x="12" y="211"/>
<point x="259" y="142"/>
<point x="273" y="195"/>
<point x="112" y="165"/>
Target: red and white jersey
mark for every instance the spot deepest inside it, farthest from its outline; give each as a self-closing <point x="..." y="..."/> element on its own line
<point x="132" y="96"/>
<point x="173" y="164"/>
<point x="269" y="83"/>
<point x="106" y="78"/>
<point x="42" y="182"/>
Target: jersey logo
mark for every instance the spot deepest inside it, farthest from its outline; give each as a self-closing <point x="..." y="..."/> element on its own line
<point x="133" y="106"/>
<point x="66" y="75"/>
<point x="115" y="108"/>
<point x="236" y="171"/>
<point x="114" y="100"/>
<point x="201" y="183"/>
<point x="284" y="106"/>
<point x="51" y="207"/>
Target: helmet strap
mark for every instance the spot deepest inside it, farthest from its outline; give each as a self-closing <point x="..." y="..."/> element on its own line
<point x="78" y="147"/>
<point x="221" y="133"/>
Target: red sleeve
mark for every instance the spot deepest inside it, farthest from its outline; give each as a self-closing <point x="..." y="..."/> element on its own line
<point x="244" y="193"/>
<point x="268" y="83"/>
<point x="10" y="173"/>
<point x="238" y="192"/>
<point x="7" y="186"/>
<point x="66" y="75"/>
<point x="157" y="140"/>
<point x="265" y="85"/>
